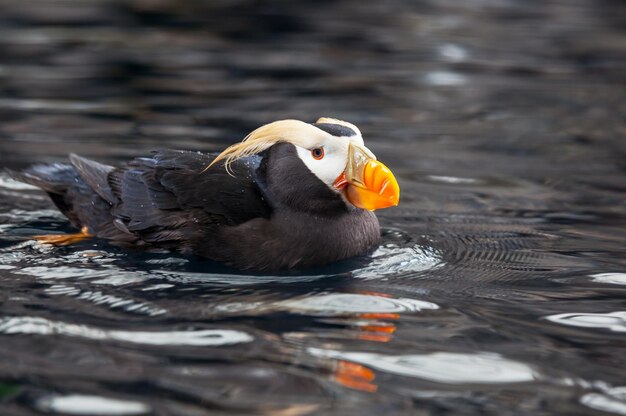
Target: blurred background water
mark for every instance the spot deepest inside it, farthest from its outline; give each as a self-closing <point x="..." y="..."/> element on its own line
<point x="498" y="289"/>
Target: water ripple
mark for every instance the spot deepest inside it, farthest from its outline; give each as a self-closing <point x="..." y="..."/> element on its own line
<point x="17" y="216"/>
<point x="452" y="179"/>
<point x="613" y="401"/>
<point x="614" y="321"/>
<point x="441" y="367"/>
<point x="392" y="260"/>
<point x="229" y="279"/>
<point x="8" y="183"/>
<point x="112" y="301"/>
<point x="41" y="326"/>
<point x="105" y="275"/>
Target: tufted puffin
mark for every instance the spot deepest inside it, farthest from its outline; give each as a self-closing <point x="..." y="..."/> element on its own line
<point x="290" y="195"/>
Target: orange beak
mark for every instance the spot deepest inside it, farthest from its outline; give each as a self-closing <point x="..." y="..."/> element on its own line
<point x="367" y="183"/>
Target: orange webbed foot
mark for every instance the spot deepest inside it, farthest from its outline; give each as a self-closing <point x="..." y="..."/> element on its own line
<point x="64" y="239"/>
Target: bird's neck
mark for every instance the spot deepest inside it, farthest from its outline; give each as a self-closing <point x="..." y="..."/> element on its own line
<point x="289" y="184"/>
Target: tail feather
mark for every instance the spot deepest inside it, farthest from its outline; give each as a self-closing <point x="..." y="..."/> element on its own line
<point x="63" y="185"/>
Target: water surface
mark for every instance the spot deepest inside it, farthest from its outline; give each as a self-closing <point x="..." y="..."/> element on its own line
<point x="499" y="286"/>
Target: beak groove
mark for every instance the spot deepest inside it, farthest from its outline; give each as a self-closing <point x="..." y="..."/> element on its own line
<point x="368" y="183"/>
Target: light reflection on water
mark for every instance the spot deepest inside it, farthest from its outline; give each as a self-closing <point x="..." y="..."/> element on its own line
<point x="355" y="303"/>
<point x="442" y="367"/>
<point x="40" y="326"/>
<point x="441" y="78"/>
<point x="612" y="401"/>
<point x="393" y="260"/>
<point x="90" y="405"/>
<point x="614" y="321"/>
<point x="611" y="278"/>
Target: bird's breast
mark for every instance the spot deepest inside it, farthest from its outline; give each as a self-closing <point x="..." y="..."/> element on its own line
<point x="295" y="240"/>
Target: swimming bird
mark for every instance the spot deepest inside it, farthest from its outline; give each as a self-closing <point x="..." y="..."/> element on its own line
<point x="290" y="195"/>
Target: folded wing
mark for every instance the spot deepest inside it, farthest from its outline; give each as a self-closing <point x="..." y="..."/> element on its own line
<point x="171" y="198"/>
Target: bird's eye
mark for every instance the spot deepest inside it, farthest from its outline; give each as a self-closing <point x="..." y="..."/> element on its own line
<point x="317" y="153"/>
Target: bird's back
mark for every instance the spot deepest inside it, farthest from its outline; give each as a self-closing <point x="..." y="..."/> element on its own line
<point x="167" y="199"/>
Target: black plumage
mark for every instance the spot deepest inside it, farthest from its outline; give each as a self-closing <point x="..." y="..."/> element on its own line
<point x="336" y="130"/>
<point x="266" y="212"/>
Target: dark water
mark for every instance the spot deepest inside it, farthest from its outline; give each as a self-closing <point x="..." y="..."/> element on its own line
<point x="499" y="288"/>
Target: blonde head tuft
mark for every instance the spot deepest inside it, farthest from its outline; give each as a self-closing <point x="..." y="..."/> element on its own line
<point x="291" y="131"/>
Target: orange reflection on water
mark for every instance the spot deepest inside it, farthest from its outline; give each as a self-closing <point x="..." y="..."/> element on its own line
<point x="355" y="376"/>
<point x="380" y="315"/>
<point x="378" y="331"/>
<point x="388" y="329"/>
<point x="375" y="337"/>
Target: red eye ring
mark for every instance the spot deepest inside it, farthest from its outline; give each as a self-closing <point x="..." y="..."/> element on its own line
<point x="317" y="153"/>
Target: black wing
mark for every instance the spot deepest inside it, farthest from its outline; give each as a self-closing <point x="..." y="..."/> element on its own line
<point x="171" y="197"/>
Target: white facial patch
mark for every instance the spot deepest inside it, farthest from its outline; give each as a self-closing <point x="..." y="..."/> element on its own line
<point x="335" y="159"/>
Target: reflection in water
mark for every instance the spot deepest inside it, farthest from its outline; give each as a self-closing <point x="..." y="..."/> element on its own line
<point x="615" y="321"/>
<point x="441" y="367"/>
<point x="207" y="337"/>
<point x="355" y="376"/>
<point x="372" y="314"/>
<point x="77" y="404"/>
